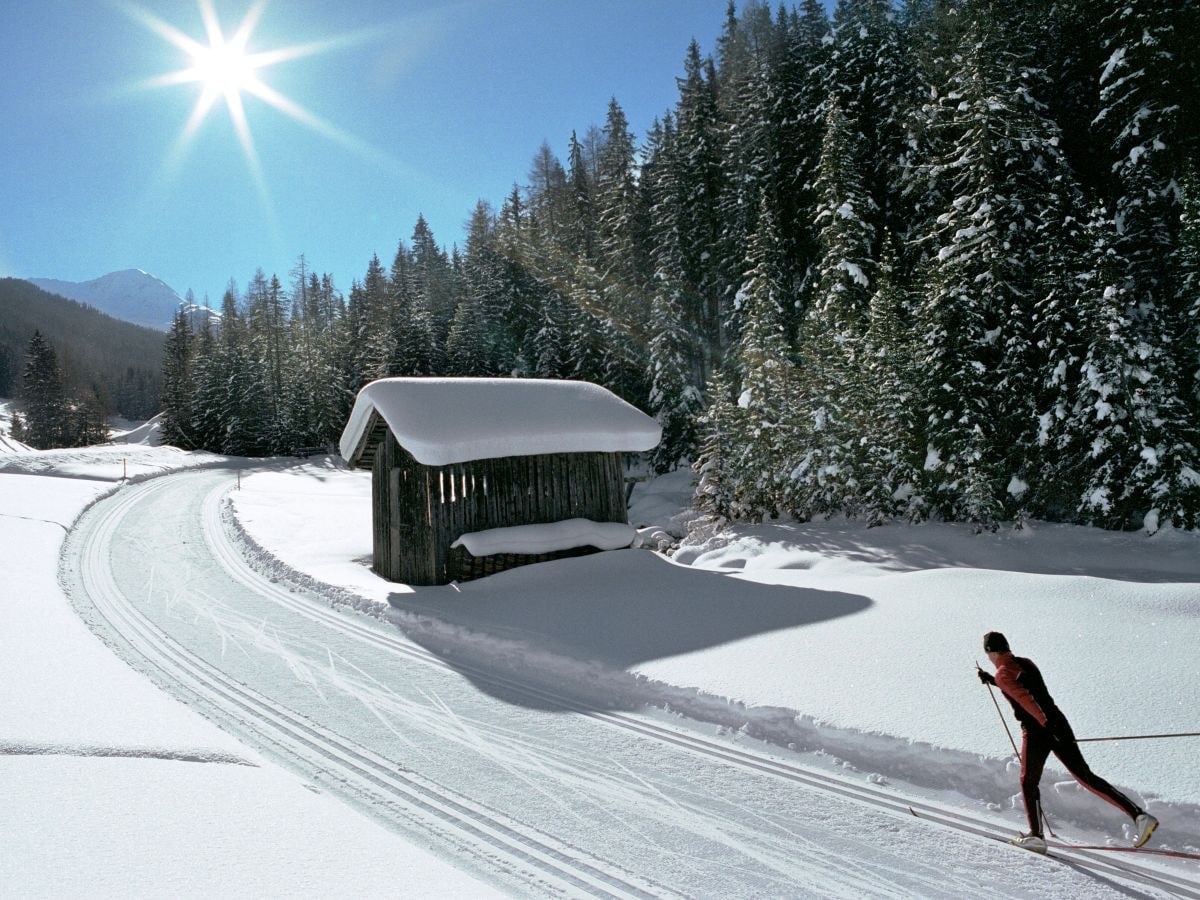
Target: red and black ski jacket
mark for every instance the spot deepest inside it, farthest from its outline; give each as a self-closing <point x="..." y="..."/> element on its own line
<point x="1023" y="687"/>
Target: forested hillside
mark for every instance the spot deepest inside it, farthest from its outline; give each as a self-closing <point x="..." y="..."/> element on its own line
<point x="925" y="259"/>
<point x="98" y="354"/>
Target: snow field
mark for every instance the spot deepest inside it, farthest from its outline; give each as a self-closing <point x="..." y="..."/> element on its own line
<point x="112" y="788"/>
<point x="109" y="462"/>
<point x="148" y="432"/>
<point x="857" y="643"/>
<point x="7" y="443"/>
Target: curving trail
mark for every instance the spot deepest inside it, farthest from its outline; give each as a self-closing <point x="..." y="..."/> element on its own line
<point x="546" y="799"/>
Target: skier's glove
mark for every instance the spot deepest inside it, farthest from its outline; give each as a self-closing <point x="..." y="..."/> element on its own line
<point x="985" y="677"/>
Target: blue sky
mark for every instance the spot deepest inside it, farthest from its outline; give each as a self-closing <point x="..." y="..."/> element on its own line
<point x="423" y="106"/>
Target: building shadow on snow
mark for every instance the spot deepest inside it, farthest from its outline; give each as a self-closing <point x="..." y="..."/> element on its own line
<point x="595" y="617"/>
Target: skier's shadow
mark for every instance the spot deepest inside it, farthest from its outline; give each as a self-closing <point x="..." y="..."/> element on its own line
<point x="592" y="618"/>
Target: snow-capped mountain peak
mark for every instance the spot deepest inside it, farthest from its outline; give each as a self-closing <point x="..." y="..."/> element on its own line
<point x="130" y="294"/>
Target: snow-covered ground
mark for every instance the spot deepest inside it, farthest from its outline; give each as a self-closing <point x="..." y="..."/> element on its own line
<point x="7" y="443"/>
<point x="855" y="643"/>
<point x="112" y="788"/>
<point x="853" y="647"/>
<point x="109" y="462"/>
<point x="120" y="430"/>
<point x="124" y="431"/>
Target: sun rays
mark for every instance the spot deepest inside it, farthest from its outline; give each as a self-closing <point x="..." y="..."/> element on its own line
<point x="224" y="68"/>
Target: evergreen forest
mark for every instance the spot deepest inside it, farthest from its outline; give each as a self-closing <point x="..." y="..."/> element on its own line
<point x="100" y="360"/>
<point x="929" y="259"/>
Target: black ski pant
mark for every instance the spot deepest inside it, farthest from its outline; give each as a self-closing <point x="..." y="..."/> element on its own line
<point x="1037" y="744"/>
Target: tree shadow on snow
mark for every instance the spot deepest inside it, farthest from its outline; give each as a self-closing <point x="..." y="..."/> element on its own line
<point x="597" y="616"/>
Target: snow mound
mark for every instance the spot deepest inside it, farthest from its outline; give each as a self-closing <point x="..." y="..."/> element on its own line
<point x="8" y="444"/>
<point x="148" y="433"/>
<point x="548" y="538"/>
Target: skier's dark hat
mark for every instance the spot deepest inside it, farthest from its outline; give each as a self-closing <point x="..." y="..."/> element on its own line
<point x="995" y="642"/>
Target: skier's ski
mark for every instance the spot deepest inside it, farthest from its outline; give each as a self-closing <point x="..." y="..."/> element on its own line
<point x="983" y="833"/>
<point x="1059" y="845"/>
<point x="1178" y="854"/>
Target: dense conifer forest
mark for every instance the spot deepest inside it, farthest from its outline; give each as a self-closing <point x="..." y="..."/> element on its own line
<point x="938" y="258"/>
<point x="103" y="361"/>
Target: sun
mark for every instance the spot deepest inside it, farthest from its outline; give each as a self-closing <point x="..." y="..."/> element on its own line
<point x="225" y="68"/>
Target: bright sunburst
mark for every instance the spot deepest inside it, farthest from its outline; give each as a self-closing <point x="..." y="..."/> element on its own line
<point x="225" y="69"/>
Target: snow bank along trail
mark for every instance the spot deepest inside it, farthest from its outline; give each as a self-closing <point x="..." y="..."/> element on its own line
<point x="644" y="816"/>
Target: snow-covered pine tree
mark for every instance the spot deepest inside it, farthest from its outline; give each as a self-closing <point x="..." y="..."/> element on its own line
<point x="886" y="459"/>
<point x="465" y="342"/>
<point x="825" y="480"/>
<point x="697" y="177"/>
<point x="751" y="164"/>
<point x="1145" y="83"/>
<point x="374" y="321"/>
<point x="1138" y="466"/>
<point x="846" y="235"/>
<point x="243" y="400"/>
<point x="1010" y="185"/>
<point x="581" y="225"/>
<point x="624" y="261"/>
<point x="550" y="350"/>
<point x="873" y="83"/>
<point x="208" y="379"/>
<point x="178" y="385"/>
<point x="85" y="420"/>
<point x="484" y="277"/>
<point x="43" y="398"/>
<point x="616" y="199"/>
<point x="765" y="441"/>
<point x="275" y="345"/>
<point x="662" y="178"/>
<point x="674" y="400"/>
<point x="798" y="125"/>
<point x="1189" y="257"/>
<point x="715" y="492"/>
<point x="433" y="284"/>
<point x="1059" y="344"/>
<point x="410" y="326"/>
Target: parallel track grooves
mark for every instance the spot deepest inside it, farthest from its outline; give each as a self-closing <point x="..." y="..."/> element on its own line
<point x="563" y="867"/>
<point x="237" y="565"/>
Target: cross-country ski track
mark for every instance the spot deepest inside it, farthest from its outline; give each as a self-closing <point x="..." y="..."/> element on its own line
<point x="536" y="791"/>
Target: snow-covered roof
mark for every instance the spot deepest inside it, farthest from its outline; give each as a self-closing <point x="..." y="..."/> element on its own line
<point x="448" y="420"/>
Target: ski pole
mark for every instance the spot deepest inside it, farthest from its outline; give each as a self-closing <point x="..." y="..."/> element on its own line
<point x="1000" y="713"/>
<point x="1139" y="737"/>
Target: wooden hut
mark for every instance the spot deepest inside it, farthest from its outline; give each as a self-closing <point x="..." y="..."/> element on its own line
<point x="471" y="476"/>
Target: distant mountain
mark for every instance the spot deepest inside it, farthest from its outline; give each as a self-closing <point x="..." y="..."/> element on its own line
<point x="130" y="295"/>
<point x="123" y="362"/>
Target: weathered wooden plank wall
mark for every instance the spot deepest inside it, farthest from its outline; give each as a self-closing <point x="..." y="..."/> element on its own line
<point x="419" y="511"/>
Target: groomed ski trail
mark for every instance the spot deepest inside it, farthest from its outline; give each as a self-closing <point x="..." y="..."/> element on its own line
<point x="223" y="545"/>
<point x="532" y="857"/>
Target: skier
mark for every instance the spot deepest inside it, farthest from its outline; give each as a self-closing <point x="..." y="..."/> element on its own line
<point x="1045" y="730"/>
